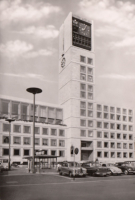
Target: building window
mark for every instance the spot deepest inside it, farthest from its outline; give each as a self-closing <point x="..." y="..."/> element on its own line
<point x="90" y="106"/>
<point x="83" y="87"/>
<point x="118" y="136"/>
<point x="61" y="153"/>
<point x="106" y="116"/>
<point x="17" y="129"/>
<point x="37" y="141"/>
<point x="99" y="107"/>
<point x="90" y="61"/>
<point x="118" y="155"/>
<point x="24" y="108"/>
<point x="119" y="145"/>
<point x="6" y="127"/>
<point x="106" y="108"/>
<point x="106" y="144"/>
<point x="90" y="133"/>
<point x="82" y="104"/>
<point x="130" y="146"/>
<point x="45" y="142"/>
<point x="106" y="125"/>
<point x="90" y="78"/>
<point x="99" y="134"/>
<point x="130" y="119"/>
<point x="90" y="96"/>
<point x="130" y="128"/>
<point x="112" y="109"/>
<point x="106" y="155"/>
<point x="82" y="94"/>
<point x="90" y="88"/>
<point x="61" y="133"/>
<point x="5" y="140"/>
<point x="53" y="153"/>
<point x="130" y="155"/>
<point x="82" y="59"/>
<point x="130" y="112"/>
<point x="118" y="127"/>
<point x="130" y="137"/>
<point x="124" y="127"/>
<point x="90" y="113"/>
<point x="83" y="112"/>
<point x="124" y="111"/>
<point x="53" y="132"/>
<point x="17" y="140"/>
<point x="15" y="109"/>
<point x="37" y="130"/>
<point x="4" y="107"/>
<point x="112" y="135"/>
<point x="26" y="129"/>
<point x="90" y="71"/>
<point x="118" y="110"/>
<point x="61" y="143"/>
<point x="53" y="142"/>
<point x="16" y="152"/>
<point x="124" y="145"/>
<point x="83" y="77"/>
<point x="99" y="115"/>
<point x="83" y="133"/>
<point x="124" y="136"/>
<point x="99" y="144"/>
<point x="26" y="141"/>
<point x="105" y="135"/>
<point x="112" y="116"/>
<point x="112" y="126"/>
<point x="45" y="131"/>
<point x="90" y="123"/>
<point x="124" y="155"/>
<point x="99" y="124"/>
<point x="83" y="122"/>
<point x="112" y="154"/>
<point x="124" y="118"/>
<point x="118" y="117"/>
<point x="99" y="154"/>
<point x="5" y="152"/>
<point x="26" y="152"/>
<point x="112" y="145"/>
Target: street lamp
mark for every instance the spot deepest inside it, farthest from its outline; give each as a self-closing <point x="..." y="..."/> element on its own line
<point x="9" y="120"/>
<point x="34" y="91"/>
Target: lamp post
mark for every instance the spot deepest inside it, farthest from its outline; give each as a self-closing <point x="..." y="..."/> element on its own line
<point x="34" y="91"/>
<point x="9" y="120"/>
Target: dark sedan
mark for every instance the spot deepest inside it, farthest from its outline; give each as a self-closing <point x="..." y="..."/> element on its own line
<point x="96" y="170"/>
<point x="126" y="168"/>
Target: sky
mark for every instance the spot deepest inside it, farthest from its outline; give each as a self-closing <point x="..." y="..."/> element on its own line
<point x="29" y="36"/>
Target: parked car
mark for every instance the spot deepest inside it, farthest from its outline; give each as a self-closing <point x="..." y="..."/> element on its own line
<point x="59" y="164"/>
<point x="14" y="165"/>
<point x="68" y="168"/>
<point x="114" y="170"/>
<point x="1" y="168"/>
<point x="130" y="163"/>
<point x="125" y="167"/>
<point x="94" y="169"/>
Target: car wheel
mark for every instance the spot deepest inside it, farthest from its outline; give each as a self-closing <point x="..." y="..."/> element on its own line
<point x="70" y="174"/>
<point x="125" y="172"/>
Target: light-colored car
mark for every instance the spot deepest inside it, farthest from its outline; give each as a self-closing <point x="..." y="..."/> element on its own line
<point x="68" y="168"/>
<point x="114" y="170"/>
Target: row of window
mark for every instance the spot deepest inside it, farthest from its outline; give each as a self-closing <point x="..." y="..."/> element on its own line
<point x="27" y="129"/>
<point x="114" y="117"/>
<point x="114" y="136"/>
<point x="83" y="93"/>
<point x="22" y="109"/>
<point x="83" y="133"/>
<point x="88" y="60"/>
<point x="113" y="145"/>
<point x="101" y="154"/>
<point x="26" y="152"/>
<point x="112" y="109"/>
<point x="106" y="125"/>
<point x="27" y="141"/>
<point x="86" y="74"/>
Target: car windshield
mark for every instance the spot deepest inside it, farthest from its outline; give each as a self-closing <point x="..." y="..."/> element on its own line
<point x="71" y="164"/>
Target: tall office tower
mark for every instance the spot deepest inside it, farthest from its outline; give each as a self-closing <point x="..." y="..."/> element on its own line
<point x="76" y="85"/>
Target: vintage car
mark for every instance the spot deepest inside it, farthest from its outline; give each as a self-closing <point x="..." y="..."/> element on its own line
<point x="59" y="164"/>
<point x="125" y="167"/>
<point x="94" y="169"/>
<point x="114" y="170"/>
<point x="72" y="169"/>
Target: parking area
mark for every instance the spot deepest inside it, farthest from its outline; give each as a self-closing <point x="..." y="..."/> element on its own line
<point x="53" y="186"/>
